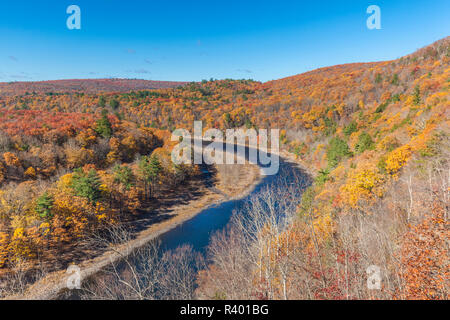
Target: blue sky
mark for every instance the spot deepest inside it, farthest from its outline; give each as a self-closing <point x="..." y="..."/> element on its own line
<point x="196" y="39"/>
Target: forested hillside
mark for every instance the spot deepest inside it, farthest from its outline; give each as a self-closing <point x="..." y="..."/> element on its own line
<point x="65" y="177"/>
<point x="81" y="85"/>
<point x="375" y="136"/>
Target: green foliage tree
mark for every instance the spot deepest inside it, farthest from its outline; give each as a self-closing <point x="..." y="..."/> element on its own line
<point x="364" y="143"/>
<point x="322" y="176"/>
<point x="248" y="123"/>
<point x="44" y="206"/>
<point x="307" y="202"/>
<point x="228" y="120"/>
<point x="382" y="107"/>
<point x="337" y="150"/>
<point x="378" y="78"/>
<point x="87" y="185"/>
<point x="381" y="165"/>
<point x="101" y="101"/>
<point x="124" y="175"/>
<point x="150" y="169"/>
<point x="395" y="98"/>
<point x="114" y="104"/>
<point x="352" y="127"/>
<point x="330" y="126"/>
<point x="416" y="99"/>
<point x="103" y="126"/>
<point x="395" y="81"/>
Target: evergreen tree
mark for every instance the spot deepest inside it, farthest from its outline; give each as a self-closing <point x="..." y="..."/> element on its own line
<point x="124" y="175"/>
<point x="364" y="143"/>
<point x="395" y="80"/>
<point x="101" y="101"/>
<point x="416" y="95"/>
<point x="352" y="127"/>
<point x="378" y="78"/>
<point x="114" y="104"/>
<point x="337" y="150"/>
<point x="44" y="206"/>
<point x="150" y="168"/>
<point x="86" y="185"/>
<point x="104" y="127"/>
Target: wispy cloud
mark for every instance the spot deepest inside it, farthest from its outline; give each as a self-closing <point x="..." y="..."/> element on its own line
<point x="142" y="71"/>
<point x="148" y="61"/>
<point x="13" y="58"/>
<point x="130" y="51"/>
<point x="20" y="76"/>
<point x="139" y="71"/>
<point x="244" y="70"/>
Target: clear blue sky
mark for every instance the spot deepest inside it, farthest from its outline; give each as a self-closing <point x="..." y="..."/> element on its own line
<point x="191" y="40"/>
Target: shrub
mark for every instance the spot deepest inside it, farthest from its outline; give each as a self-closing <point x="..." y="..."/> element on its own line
<point x="364" y="143"/>
<point x="322" y="177"/>
<point x="330" y="126"/>
<point x="364" y="183"/>
<point x="352" y="127"/>
<point x="337" y="150"/>
<point x="378" y="78"/>
<point x="395" y="80"/>
<point x="307" y="201"/>
<point x="397" y="159"/>
<point x="114" y="104"/>
<point x="382" y="107"/>
<point x="416" y="96"/>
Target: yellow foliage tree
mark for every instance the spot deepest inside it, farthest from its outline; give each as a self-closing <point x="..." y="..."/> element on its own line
<point x="362" y="183"/>
<point x="397" y="159"/>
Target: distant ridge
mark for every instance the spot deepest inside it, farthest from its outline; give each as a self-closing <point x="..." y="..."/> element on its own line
<point x="84" y="85"/>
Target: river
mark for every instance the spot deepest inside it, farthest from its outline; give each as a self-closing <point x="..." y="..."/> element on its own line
<point x="197" y="231"/>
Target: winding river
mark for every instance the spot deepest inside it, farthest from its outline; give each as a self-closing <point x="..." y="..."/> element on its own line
<point x="197" y="231"/>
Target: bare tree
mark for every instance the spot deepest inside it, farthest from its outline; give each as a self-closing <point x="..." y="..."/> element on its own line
<point x="144" y="273"/>
<point x="242" y="256"/>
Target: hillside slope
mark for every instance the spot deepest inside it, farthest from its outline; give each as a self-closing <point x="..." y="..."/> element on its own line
<point x="375" y="135"/>
<point x="83" y="85"/>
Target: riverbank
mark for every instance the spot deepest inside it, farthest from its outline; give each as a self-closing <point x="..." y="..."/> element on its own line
<point x="231" y="182"/>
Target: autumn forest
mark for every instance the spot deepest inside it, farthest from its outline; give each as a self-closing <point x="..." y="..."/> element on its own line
<point x="79" y="158"/>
